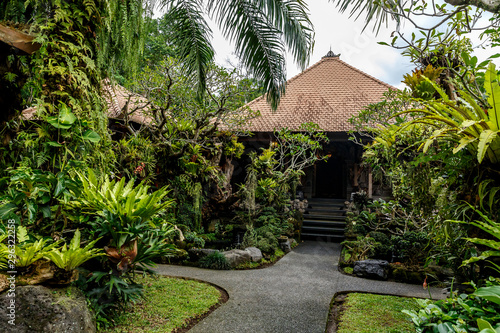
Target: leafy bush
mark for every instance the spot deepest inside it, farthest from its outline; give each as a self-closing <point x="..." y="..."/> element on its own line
<point x="195" y="239"/>
<point x="69" y="258"/>
<point x="410" y="247"/>
<point x="459" y="313"/>
<point x="360" y="249"/>
<point x="382" y="247"/>
<point x="215" y="260"/>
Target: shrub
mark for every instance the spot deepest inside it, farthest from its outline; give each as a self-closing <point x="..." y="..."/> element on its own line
<point x="266" y="240"/>
<point x="459" y="313"/>
<point x="382" y="246"/>
<point x="410" y="246"/>
<point x="215" y="260"/>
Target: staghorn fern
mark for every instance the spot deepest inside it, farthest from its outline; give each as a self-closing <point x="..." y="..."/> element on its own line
<point x="69" y="258"/>
<point x="128" y="203"/>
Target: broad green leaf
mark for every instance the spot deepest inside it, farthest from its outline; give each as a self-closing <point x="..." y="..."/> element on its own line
<point x="54" y="144"/>
<point x="7" y="209"/>
<point x="464" y="142"/>
<point x="91" y="136"/>
<point x="66" y="117"/>
<point x="491" y="294"/>
<point x="486" y="137"/>
<point x="493" y="89"/>
<point x="54" y="121"/>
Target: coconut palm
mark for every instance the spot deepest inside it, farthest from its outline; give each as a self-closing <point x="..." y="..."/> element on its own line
<point x="261" y="29"/>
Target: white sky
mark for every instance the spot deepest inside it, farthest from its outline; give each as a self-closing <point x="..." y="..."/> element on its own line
<point x="344" y="35"/>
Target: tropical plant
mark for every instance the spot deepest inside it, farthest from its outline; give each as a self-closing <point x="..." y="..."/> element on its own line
<point x="72" y="256"/>
<point x="261" y="30"/>
<point x="465" y="122"/>
<point x="27" y="251"/>
<point x="459" y="313"/>
<point x="130" y="204"/>
<point x="490" y="227"/>
<point x="37" y="196"/>
<point x="4" y="253"/>
<point x="298" y="150"/>
<point x="215" y="260"/>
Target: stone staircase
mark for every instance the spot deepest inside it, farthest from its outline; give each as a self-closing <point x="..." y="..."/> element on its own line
<point x="324" y="219"/>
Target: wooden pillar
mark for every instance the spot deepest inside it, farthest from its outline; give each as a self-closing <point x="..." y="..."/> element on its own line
<point x="370" y="183"/>
<point x="355" y="181"/>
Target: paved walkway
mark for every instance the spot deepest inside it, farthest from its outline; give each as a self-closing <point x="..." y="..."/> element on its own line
<point x="292" y="296"/>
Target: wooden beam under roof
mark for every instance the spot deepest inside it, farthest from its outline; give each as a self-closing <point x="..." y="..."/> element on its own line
<point x="18" y="39"/>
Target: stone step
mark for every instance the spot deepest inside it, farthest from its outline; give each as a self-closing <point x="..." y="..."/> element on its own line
<point x="326" y="211"/>
<point x="312" y="216"/>
<point x="325" y="206"/>
<point x="322" y="223"/>
<point x="323" y="230"/>
<point x="327" y="200"/>
<point x="328" y="238"/>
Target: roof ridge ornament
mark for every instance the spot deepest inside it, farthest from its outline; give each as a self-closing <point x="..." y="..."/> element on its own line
<point x="330" y="54"/>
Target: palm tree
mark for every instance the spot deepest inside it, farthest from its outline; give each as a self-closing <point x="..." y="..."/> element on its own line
<point x="261" y="29"/>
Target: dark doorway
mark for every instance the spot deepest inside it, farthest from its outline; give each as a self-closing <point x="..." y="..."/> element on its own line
<point x="329" y="178"/>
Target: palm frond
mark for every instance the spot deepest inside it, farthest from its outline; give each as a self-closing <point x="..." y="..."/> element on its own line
<point x="291" y="18"/>
<point x="258" y="42"/>
<point x="192" y="37"/>
<point x="376" y="11"/>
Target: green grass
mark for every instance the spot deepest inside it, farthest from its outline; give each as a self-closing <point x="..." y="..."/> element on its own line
<point x="169" y="303"/>
<point x="369" y="313"/>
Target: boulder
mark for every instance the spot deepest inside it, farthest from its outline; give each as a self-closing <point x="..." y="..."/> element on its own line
<point x="41" y="309"/>
<point x="371" y="269"/>
<point x="237" y="257"/>
<point x="255" y="253"/>
<point x="286" y="246"/>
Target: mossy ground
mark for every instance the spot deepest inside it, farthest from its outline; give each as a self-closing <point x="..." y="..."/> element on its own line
<point x="369" y="313"/>
<point x="169" y="304"/>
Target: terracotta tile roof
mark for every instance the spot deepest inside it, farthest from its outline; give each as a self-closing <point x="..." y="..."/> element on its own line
<point x="327" y="93"/>
<point x="118" y="100"/>
<point x="121" y="101"/>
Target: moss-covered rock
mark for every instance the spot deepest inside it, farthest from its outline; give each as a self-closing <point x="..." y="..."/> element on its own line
<point x="41" y="309"/>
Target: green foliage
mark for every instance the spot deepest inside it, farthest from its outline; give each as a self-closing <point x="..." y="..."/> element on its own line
<point x="69" y="258"/>
<point x="493" y="229"/>
<point x="36" y="196"/>
<point x="466" y="123"/>
<point x="459" y="313"/>
<point x="28" y="251"/>
<point x="420" y="87"/>
<point x="296" y="151"/>
<point x="249" y="238"/>
<point x="130" y="204"/>
<point x="361" y="249"/>
<point x="108" y="294"/>
<point x="215" y="260"/>
<point x="195" y="239"/>
<point x="411" y="247"/>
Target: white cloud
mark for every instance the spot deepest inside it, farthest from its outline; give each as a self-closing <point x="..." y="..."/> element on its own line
<point x="345" y="35"/>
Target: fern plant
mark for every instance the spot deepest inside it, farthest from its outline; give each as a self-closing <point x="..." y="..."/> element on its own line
<point x="465" y="121"/>
<point x="491" y="227"/>
<point x="69" y="258"/>
<point x="129" y="204"/>
<point x="4" y="253"/>
<point x="28" y="252"/>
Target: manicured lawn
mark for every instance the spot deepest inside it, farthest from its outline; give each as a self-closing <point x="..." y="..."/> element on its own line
<point x="369" y="313"/>
<point x="169" y="304"/>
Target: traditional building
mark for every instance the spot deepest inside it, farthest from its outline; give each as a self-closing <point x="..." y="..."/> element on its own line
<point x="328" y="93"/>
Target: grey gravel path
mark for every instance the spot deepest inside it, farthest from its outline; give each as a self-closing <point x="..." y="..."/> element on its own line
<point x="292" y="296"/>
